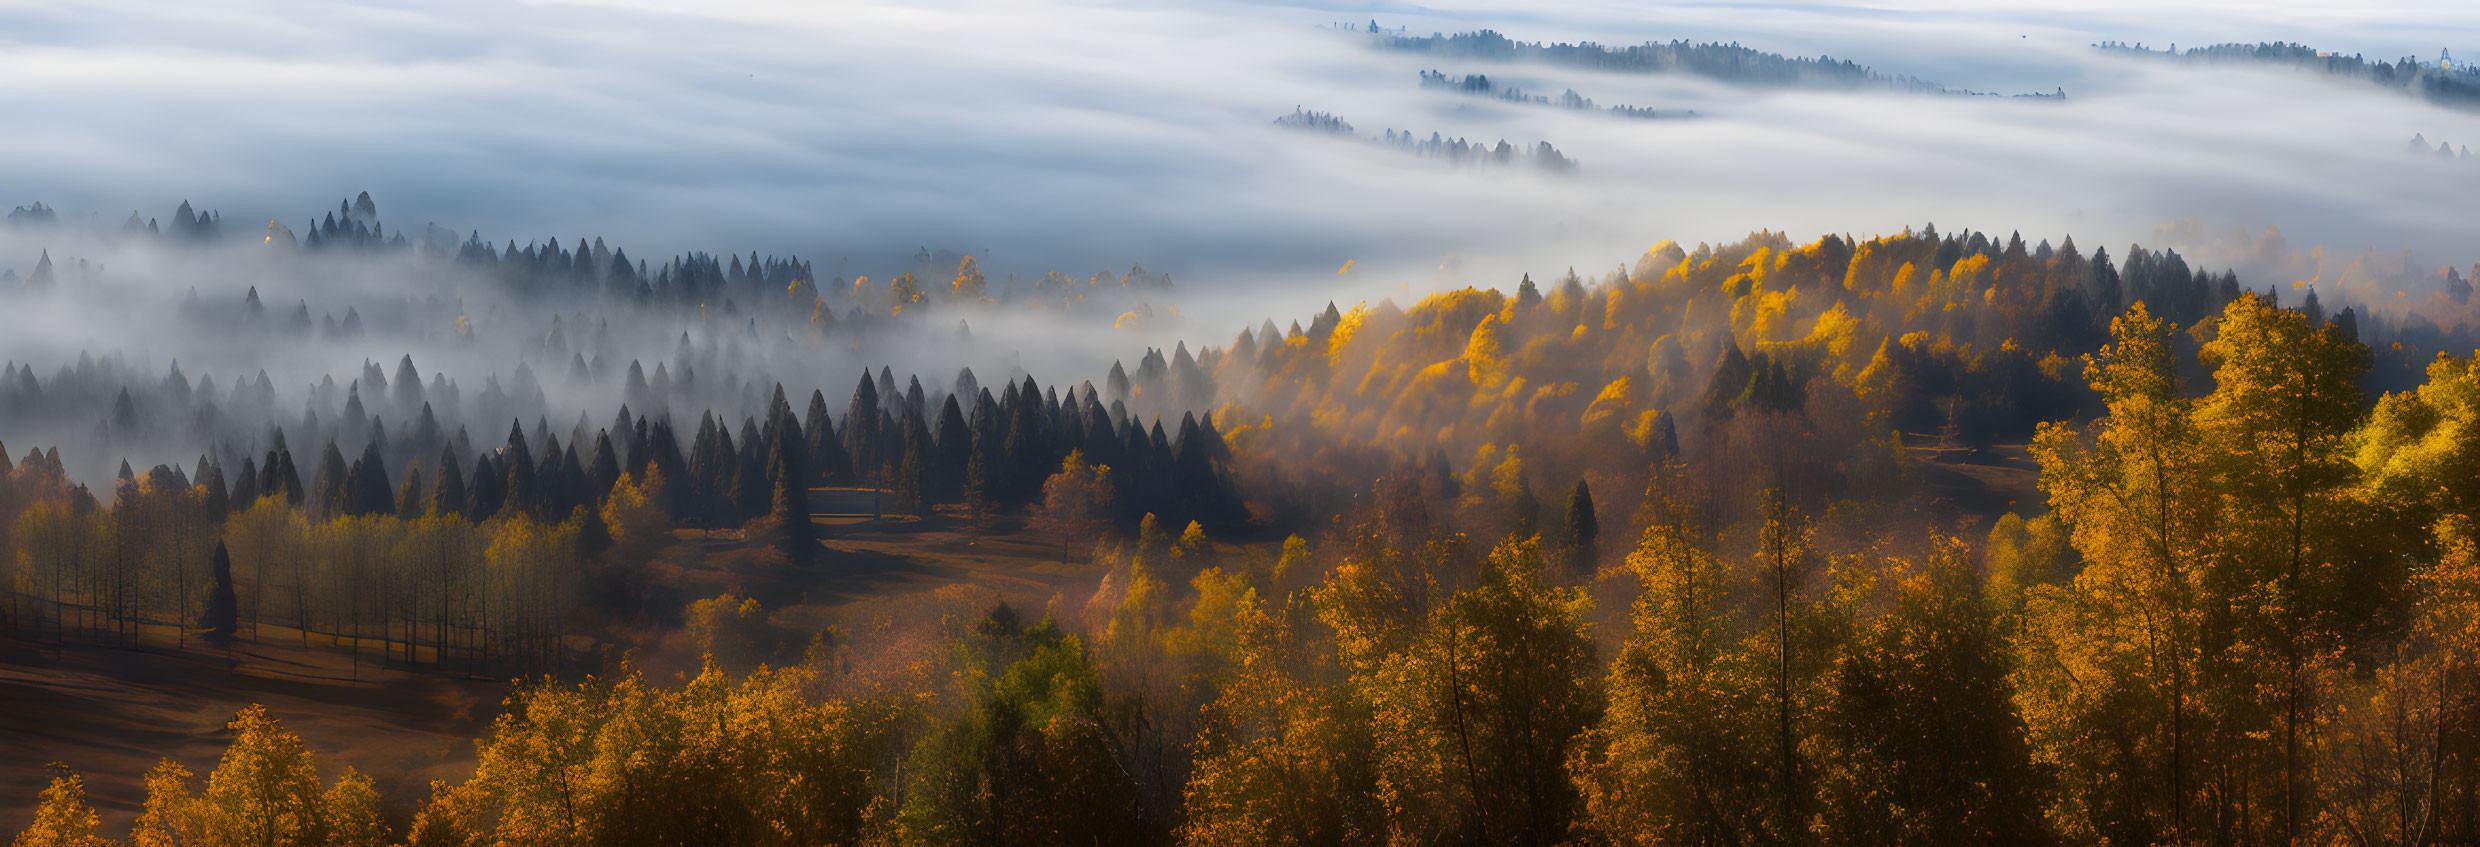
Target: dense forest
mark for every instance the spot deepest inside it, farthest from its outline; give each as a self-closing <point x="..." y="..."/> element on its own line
<point x="1934" y="537"/>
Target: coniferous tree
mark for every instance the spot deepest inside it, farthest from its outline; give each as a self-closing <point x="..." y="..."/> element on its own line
<point x="861" y="431"/>
<point x="287" y="479"/>
<point x="449" y="497"/>
<point x="216" y="499"/>
<point x="795" y="535"/>
<point x="370" y="493"/>
<point x="521" y="493"/>
<point x="986" y="469"/>
<point x="753" y="484"/>
<point x="913" y="481"/>
<point x="411" y="499"/>
<point x="954" y="450"/>
<point x="245" y="486"/>
<point x="223" y="614"/>
<point x="332" y="485"/>
<point x="604" y="468"/>
<point x="1582" y="531"/>
<point x="824" y="447"/>
<point x="487" y="494"/>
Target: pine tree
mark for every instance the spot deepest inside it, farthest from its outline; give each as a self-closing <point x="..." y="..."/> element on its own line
<point x="953" y="451"/>
<point x="223" y="614"/>
<point x="412" y="499"/>
<point x="604" y="468"/>
<point x="449" y="496"/>
<point x="1582" y="532"/>
<point x="912" y="484"/>
<point x="487" y="493"/>
<point x="795" y="536"/>
<point x="331" y="481"/>
<point x="522" y="494"/>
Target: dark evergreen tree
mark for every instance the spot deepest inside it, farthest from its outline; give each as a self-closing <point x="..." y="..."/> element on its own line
<point x="663" y="454"/>
<point x="287" y="479"/>
<point x="819" y="443"/>
<point x="448" y="497"/>
<point x="332" y="485"/>
<point x="1027" y="449"/>
<point x="217" y="498"/>
<point x="986" y="469"/>
<point x="861" y="434"/>
<point x="488" y="491"/>
<point x="368" y="491"/>
<point x="519" y="494"/>
<point x="1582" y="531"/>
<point x="789" y="514"/>
<point x="912" y="482"/>
<point x="952" y="452"/>
<point x="604" y="469"/>
<point x="752" y="481"/>
<point x="223" y="613"/>
<point x="552" y="499"/>
<point x="245" y="485"/>
<point x="411" y="500"/>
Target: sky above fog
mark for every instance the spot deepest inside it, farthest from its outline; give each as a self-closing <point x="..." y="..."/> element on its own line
<point x="1085" y="136"/>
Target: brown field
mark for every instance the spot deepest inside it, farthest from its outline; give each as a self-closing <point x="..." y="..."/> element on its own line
<point x="110" y="713"/>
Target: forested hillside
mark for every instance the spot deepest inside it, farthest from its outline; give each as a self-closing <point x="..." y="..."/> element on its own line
<point x="1717" y="546"/>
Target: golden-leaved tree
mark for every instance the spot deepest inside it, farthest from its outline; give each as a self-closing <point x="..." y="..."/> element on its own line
<point x="2110" y="665"/>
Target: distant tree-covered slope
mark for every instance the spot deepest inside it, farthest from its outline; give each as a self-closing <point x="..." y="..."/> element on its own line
<point x="1729" y="63"/>
<point x="2443" y="82"/>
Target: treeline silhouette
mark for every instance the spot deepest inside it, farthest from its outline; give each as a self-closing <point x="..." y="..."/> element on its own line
<point x="1479" y="85"/>
<point x="1729" y="63"/>
<point x="2443" y="85"/>
<point x="484" y="563"/>
<point x="568" y="332"/>
<point x="1453" y="150"/>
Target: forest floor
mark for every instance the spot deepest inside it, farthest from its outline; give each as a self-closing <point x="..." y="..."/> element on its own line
<point x="1981" y="483"/>
<point x="111" y="713"/>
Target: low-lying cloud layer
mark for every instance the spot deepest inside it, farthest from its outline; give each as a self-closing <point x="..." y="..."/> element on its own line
<point x="1084" y="136"/>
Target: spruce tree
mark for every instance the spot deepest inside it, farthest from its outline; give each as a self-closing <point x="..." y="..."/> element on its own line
<point x="1582" y="531"/>
<point x="912" y="484"/>
<point x="245" y="486"/>
<point x="520" y="493"/>
<point x="448" y="497"/>
<point x="411" y="499"/>
<point x="223" y="615"/>
<point x="487" y="494"/>
<point x="794" y="535"/>
<point x="331" y="482"/>
<point x="953" y="450"/>
<point x="605" y="467"/>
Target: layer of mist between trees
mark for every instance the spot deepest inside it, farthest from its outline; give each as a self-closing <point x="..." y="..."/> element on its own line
<point x="2435" y="82"/>
<point x="1729" y="63"/>
<point x="1655" y="555"/>
<point x="352" y="332"/>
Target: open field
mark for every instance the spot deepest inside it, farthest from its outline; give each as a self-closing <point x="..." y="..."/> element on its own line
<point x="111" y="713"/>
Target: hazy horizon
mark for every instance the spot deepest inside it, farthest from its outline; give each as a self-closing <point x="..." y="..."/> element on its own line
<point x="1082" y="137"/>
